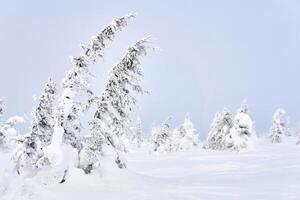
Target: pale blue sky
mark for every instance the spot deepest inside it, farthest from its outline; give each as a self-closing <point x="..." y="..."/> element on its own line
<point x="213" y="53"/>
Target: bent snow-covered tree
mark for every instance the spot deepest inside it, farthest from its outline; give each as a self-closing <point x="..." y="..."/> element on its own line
<point x="112" y="115"/>
<point x="242" y="133"/>
<point x="279" y="127"/>
<point x="219" y="129"/>
<point x="160" y="138"/>
<point x="185" y="136"/>
<point x="77" y="83"/>
<point x="29" y="154"/>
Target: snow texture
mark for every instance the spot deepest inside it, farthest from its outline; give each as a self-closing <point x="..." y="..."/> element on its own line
<point x="268" y="172"/>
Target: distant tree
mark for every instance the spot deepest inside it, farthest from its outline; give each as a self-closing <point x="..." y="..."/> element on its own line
<point x="279" y="128"/>
<point x="1" y="108"/>
<point x="242" y="133"/>
<point x="29" y="154"/>
<point x="219" y="129"/>
<point x="114" y="106"/>
<point x="185" y="136"/>
<point x="160" y="137"/>
<point x="131" y="135"/>
<point x="136" y="130"/>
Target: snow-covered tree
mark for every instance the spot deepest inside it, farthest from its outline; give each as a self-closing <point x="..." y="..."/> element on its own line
<point x="136" y="130"/>
<point x="185" y="136"/>
<point x="131" y="135"/>
<point x="1" y="109"/>
<point x="279" y="128"/>
<point x="77" y="85"/>
<point x="242" y="133"/>
<point x="298" y="141"/>
<point x="114" y="106"/>
<point x="43" y="115"/>
<point x="29" y="154"/>
<point x="160" y="138"/>
<point x="8" y="134"/>
<point x="219" y="129"/>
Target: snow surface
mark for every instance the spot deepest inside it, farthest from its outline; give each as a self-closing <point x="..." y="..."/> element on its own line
<point x="269" y="171"/>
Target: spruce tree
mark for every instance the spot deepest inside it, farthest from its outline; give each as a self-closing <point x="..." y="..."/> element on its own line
<point x="219" y="129"/>
<point x="137" y="132"/>
<point x="185" y="136"/>
<point x="279" y="128"/>
<point x="242" y="133"/>
<point x="160" y="138"/>
<point x="29" y="154"/>
<point x="113" y="108"/>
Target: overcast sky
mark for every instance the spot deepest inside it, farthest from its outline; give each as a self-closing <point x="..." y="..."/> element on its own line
<point x="212" y="53"/>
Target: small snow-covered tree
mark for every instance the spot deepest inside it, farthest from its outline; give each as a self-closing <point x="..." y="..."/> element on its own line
<point x="160" y="138"/>
<point x="114" y="106"/>
<point x="8" y="134"/>
<point x="131" y="135"/>
<point x="219" y="129"/>
<point x="279" y="128"/>
<point x="77" y="83"/>
<point x="29" y="154"/>
<point x="136" y="130"/>
<point x="1" y="109"/>
<point x="185" y="136"/>
<point x="43" y="115"/>
<point x="242" y="133"/>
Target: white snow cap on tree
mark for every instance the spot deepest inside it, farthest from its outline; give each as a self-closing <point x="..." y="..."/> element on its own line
<point x="160" y="138"/>
<point x="185" y="136"/>
<point x="279" y="128"/>
<point x="112" y="115"/>
<point x="29" y="154"/>
<point x="219" y="129"/>
<point x="242" y="134"/>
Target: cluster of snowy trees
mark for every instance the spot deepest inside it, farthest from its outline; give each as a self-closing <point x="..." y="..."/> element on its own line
<point x="184" y="137"/>
<point x="56" y="139"/>
<point x="238" y="133"/>
<point x="232" y="133"/>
